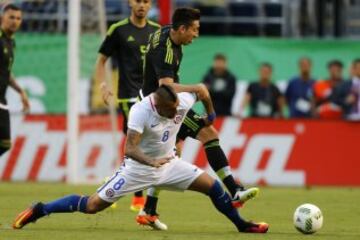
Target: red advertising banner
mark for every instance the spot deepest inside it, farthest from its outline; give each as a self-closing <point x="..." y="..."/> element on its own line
<point x="270" y="152"/>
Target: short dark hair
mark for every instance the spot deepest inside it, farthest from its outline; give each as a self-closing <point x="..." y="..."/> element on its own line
<point x="336" y="63"/>
<point x="220" y="56"/>
<point x="167" y="93"/>
<point x="356" y="61"/>
<point x="10" y="6"/>
<point x="305" y="59"/>
<point x="184" y="16"/>
<point x="266" y="64"/>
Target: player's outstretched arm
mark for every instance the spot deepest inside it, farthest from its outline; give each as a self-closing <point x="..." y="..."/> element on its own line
<point x="133" y="151"/>
<point x="199" y="89"/>
<point x="100" y="78"/>
<point x="204" y="96"/>
<point x="195" y="88"/>
<point x="22" y="93"/>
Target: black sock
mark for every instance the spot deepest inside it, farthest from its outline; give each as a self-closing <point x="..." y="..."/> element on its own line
<point x="138" y="194"/>
<point x="219" y="163"/>
<point x="230" y="183"/>
<point x="151" y="205"/>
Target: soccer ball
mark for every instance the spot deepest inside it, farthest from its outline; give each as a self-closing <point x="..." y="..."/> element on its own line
<point x="308" y="218"/>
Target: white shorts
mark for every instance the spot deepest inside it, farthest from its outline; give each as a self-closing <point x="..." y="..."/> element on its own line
<point x="134" y="176"/>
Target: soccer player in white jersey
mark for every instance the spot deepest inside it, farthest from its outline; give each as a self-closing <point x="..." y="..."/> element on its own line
<point x="151" y="162"/>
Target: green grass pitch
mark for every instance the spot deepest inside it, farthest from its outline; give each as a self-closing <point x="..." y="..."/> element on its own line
<point x="189" y="215"/>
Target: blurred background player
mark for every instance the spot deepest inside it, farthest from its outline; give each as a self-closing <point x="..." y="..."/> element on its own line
<point x="151" y="161"/>
<point x="126" y="41"/>
<point x="162" y="64"/>
<point x="11" y="19"/>
<point x="264" y="97"/>
<point x="323" y="92"/>
<point x="299" y="91"/>
<point x="347" y="94"/>
<point x="221" y="84"/>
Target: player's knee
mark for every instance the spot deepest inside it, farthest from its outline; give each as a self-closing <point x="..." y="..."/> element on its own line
<point x="216" y="189"/>
<point x="207" y="134"/>
<point x="202" y="184"/>
<point x="96" y="204"/>
<point x="92" y="208"/>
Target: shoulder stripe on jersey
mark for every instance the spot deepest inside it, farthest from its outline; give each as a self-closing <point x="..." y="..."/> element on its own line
<point x="169" y="52"/>
<point x="116" y="25"/>
<point x="154" y="24"/>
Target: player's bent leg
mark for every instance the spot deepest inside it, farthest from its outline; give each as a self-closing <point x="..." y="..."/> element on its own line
<point x="118" y="185"/>
<point x="219" y="163"/>
<point x="221" y="200"/>
<point x="217" y="159"/>
<point x="202" y="184"/>
<point x="68" y="204"/>
<point x="148" y="216"/>
<point x="96" y="204"/>
<point x="151" y="201"/>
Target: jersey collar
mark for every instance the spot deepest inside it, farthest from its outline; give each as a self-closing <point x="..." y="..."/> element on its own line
<point x="133" y="25"/>
<point x="2" y="32"/>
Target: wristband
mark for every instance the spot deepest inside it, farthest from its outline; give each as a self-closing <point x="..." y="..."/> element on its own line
<point x="211" y="117"/>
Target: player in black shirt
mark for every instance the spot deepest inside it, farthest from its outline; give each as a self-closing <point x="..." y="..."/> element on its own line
<point x="126" y="41"/>
<point x="10" y="23"/>
<point x="221" y="83"/>
<point x="162" y="64"/>
<point x="264" y="97"/>
<point x="162" y="60"/>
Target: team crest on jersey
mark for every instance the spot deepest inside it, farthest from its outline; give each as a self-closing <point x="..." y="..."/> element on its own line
<point x="131" y="39"/>
<point x="179" y="116"/>
<point x="110" y="193"/>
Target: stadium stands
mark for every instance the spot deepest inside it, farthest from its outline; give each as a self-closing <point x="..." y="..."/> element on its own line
<point x="274" y="18"/>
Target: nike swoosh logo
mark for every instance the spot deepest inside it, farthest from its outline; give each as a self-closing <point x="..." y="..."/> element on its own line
<point x="154" y="125"/>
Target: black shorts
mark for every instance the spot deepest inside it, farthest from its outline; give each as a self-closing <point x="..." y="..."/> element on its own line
<point x="191" y="126"/>
<point x="5" y="141"/>
<point x="124" y="107"/>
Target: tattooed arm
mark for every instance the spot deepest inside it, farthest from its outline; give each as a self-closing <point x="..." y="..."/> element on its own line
<point x="133" y="151"/>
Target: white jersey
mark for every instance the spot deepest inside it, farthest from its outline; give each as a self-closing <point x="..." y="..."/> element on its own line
<point x="158" y="133"/>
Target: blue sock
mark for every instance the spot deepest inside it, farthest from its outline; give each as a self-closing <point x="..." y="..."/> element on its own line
<point x="222" y="202"/>
<point x="71" y="203"/>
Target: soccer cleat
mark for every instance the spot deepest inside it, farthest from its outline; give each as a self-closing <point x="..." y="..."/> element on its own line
<point x="256" y="228"/>
<point x="243" y="195"/>
<point x="29" y="215"/>
<point x="150" y="220"/>
<point x="137" y="203"/>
